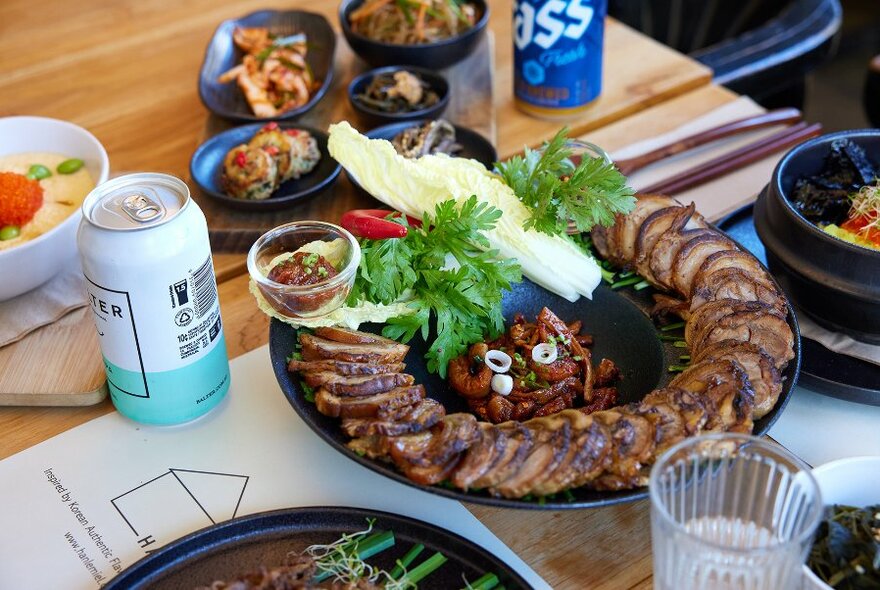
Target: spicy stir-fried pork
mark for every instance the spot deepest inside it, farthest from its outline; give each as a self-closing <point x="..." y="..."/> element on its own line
<point x="739" y="341"/>
<point x="539" y="385"/>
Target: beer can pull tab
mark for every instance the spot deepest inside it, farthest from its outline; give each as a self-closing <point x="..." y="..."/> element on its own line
<point x="141" y="208"/>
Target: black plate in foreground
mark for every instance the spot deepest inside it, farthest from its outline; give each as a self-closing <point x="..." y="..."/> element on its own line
<point x="227" y="99"/>
<point x="242" y="545"/>
<point x="822" y="370"/>
<point x="206" y="167"/>
<point x="622" y="332"/>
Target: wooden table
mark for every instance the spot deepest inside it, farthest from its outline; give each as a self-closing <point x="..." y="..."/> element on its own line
<point x="127" y="71"/>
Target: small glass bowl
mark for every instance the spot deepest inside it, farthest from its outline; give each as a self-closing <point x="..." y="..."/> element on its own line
<point x="303" y="301"/>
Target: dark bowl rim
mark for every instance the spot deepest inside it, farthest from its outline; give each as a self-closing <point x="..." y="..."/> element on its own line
<point x="792" y="213"/>
<point x="287" y="115"/>
<point x="426" y="74"/>
<point x="271" y="203"/>
<point x="346" y="5"/>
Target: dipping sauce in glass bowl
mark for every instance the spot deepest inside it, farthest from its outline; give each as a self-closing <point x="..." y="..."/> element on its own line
<point x="304" y="269"/>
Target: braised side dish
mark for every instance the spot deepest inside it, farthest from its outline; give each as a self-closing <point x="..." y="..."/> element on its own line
<point x="433" y="137"/>
<point x="37" y="192"/>
<point x="533" y="370"/>
<point x="273" y="74"/>
<point x="397" y="92"/>
<point x="342" y="565"/>
<point x="254" y="170"/>
<point x="844" y="198"/>
<point x="411" y="22"/>
<point x="846" y="552"/>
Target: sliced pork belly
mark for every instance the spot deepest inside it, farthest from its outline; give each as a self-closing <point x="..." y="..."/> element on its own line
<point x="551" y="437"/>
<point x="764" y="329"/>
<point x="744" y="261"/>
<point x="588" y="455"/>
<point x="733" y="283"/>
<point x="367" y="406"/>
<point x="599" y="237"/>
<point x="763" y="376"/>
<point x="450" y="436"/>
<point x="691" y="256"/>
<point x="655" y="225"/>
<point x="665" y="250"/>
<point x="633" y="441"/>
<point x="344" y="368"/>
<point x="628" y="227"/>
<point x="357" y="384"/>
<point x="481" y="456"/>
<point x="691" y="408"/>
<point x="709" y="314"/>
<point x="317" y="348"/>
<point x="347" y="336"/>
<point x="407" y="420"/>
<point x="518" y="442"/>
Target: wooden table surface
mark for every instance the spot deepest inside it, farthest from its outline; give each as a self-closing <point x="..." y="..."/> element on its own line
<point x="127" y="71"/>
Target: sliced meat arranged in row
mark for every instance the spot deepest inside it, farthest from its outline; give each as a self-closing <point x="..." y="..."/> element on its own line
<point x="734" y="311"/>
<point x="736" y="330"/>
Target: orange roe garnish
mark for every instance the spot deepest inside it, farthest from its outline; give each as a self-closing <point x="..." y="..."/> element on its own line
<point x="20" y="198"/>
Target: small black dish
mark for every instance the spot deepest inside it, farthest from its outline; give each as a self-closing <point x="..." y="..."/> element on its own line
<point x="235" y="547"/>
<point x="374" y="116"/>
<point x="831" y="280"/>
<point x="439" y="54"/>
<point x="227" y="100"/>
<point x="206" y="166"/>
<point x="642" y="357"/>
<point x="823" y="371"/>
<point x="473" y="145"/>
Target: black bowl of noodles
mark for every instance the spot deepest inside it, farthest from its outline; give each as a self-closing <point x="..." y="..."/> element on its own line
<point x="400" y="33"/>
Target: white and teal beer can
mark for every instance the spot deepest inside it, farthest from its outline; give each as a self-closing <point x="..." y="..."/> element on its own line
<point x="150" y="283"/>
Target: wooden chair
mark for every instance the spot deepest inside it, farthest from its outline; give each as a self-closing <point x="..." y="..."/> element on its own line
<point x="762" y="48"/>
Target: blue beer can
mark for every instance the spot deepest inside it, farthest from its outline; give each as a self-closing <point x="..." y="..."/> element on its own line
<point x="557" y="55"/>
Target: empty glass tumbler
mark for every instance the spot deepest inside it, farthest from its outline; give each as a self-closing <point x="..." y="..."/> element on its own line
<point x="731" y="512"/>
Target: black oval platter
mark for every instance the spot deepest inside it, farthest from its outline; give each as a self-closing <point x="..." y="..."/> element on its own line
<point x="622" y="331"/>
<point x="242" y="545"/>
<point x="227" y="100"/>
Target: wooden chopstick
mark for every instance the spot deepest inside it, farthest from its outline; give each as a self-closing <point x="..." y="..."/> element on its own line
<point x="735" y="160"/>
<point x="784" y="116"/>
<point x="728" y="163"/>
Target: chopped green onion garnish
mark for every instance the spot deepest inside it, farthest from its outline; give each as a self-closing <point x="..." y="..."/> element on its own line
<point x="407" y="559"/>
<point x="626" y="282"/>
<point x="670" y="327"/>
<point x="677" y="368"/>
<point x="424" y="569"/>
<point x="484" y="582"/>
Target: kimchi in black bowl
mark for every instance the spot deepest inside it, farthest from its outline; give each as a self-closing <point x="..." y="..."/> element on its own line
<point x="816" y="185"/>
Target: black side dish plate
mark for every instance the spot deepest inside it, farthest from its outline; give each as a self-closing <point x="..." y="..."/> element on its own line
<point x="822" y="370"/>
<point x="622" y="331"/>
<point x="227" y="100"/>
<point x="241" y="545"/>
<point x="206" y="167"/>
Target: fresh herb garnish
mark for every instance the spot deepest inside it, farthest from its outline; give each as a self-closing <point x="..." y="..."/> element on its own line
<point x="556" y="191"/>
<point x="453" y="280"/>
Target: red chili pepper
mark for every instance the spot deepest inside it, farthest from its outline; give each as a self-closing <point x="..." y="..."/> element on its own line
<point x="240" y="159"/>
<point x="270" y="126"/>
<point x="292" y="132"/>
<point x="371" y="224"/>
<point x="272" y="150"/>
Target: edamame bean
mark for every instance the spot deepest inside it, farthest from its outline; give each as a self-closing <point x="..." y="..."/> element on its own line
<point x="7" y="232"/>
<point x="38" y="172"/>
<point x="70" y="166"/>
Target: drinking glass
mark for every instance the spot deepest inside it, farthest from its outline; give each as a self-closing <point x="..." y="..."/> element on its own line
<point x="731" y="512"/>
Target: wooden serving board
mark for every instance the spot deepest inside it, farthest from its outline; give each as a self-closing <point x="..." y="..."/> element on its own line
<point x="471" y="105"/>
<point x="57" y="365"/>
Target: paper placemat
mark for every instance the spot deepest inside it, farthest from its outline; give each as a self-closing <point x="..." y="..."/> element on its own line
<point x="82" y="506"/>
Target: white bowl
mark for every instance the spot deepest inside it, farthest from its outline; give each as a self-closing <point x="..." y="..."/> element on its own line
<point x="855" y="482"/>
<point x="31" y="264"/>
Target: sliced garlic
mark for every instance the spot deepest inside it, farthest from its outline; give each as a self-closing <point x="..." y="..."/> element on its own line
<point x="502" y="384"/>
